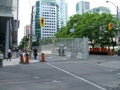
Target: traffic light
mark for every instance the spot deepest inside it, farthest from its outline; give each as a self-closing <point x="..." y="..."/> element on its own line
<point x="41" y="22"/>
<point x="110" y="26"/>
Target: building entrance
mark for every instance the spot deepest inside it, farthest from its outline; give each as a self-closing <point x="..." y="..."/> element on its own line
<point x="2" y="34"/>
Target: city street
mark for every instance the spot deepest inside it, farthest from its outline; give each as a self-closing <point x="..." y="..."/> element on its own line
<point x="62" y="73"/>
<point x="48" y="43"/>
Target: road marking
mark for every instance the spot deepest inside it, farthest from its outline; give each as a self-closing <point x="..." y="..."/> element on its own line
<point x="80" y="78"/>
<point x="55" y="81"/>
<point x="36" y="77"/>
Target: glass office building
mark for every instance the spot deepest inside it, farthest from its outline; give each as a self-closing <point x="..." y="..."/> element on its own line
<point x="54" y="13"/>
<point x="8" y="24"/>
<point x="82" y="7"/>
<point x="62" y="13"/>
<point x="47" y="9"/>
<point x="100" y="10"/>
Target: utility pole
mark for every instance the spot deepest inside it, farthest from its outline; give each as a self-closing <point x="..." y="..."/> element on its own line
<point x="30" y="36"/>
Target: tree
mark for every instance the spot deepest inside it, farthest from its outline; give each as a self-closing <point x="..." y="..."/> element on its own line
<point x="93" y="26"/>
<point x="24" y="42"/>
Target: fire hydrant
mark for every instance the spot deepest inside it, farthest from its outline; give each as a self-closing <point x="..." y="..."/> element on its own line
<point x="42" y="57"/>
<point x="21" y="58"/>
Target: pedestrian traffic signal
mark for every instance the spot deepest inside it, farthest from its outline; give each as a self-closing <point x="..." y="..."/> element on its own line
<point x="41" y="22"/>
<point x="110" y="26"/>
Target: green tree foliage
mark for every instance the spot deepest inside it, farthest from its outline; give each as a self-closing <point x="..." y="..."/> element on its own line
<point x="24" y="42"/>
<point x="93" y="26"/>
<point x="36" y="43"/>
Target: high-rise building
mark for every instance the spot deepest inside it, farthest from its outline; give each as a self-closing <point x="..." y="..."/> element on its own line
<point x="63" y="13"/>
<point x="48" y="10"/>
<point x="54" y="14"/>
<point x="100" y="10"/>
<point x="8" y="24"/>
<point x="27" y="31"/>
<point x="82" y="7"/>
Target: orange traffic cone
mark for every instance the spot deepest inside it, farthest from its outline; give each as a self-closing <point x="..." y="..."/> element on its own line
<point x="27" y="59"/>
<point x="42" y="57"/>
<point x="21" y="58"/>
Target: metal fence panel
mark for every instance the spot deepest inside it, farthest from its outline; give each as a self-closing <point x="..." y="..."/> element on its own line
<point x="67" y="47"/>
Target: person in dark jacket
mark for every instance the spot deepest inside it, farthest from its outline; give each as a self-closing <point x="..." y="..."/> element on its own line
<point x="35" y="53"/>
<point x="9" y="54"/>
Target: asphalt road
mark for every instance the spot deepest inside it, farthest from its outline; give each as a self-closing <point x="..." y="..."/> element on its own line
<point x="58" y="73"/>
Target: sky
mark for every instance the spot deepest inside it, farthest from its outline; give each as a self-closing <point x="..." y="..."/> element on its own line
<point x="25" y="10"/>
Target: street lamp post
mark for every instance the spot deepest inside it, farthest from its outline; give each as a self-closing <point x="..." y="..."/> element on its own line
<point x="115" y="7"/>
<point x="117" y="18"/>
<point x="31" y="22"/>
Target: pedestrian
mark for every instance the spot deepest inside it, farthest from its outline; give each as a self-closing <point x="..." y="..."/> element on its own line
<point x="17" y="52"/>
<point x="35" y="53"/>
<point x="9" y="54"/>
<point x="24" y="53"/>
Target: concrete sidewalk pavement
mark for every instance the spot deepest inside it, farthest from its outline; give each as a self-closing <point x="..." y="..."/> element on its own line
<point x="108" y="61"/>
<point x="16" y="61"/>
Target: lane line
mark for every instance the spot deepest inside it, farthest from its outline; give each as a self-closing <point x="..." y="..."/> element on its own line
<point x="80" y="78"/>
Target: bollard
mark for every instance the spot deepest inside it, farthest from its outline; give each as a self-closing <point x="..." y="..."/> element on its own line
<point x="42" y="57"/>
<point x="21" y="58"/>
<point x="26" y="58"/>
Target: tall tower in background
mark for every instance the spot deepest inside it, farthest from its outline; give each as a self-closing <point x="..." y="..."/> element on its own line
<point x="82" y="7"/>
<point x="63" y="13"/>
<point x="54" y="13"/>
<point x="100" y="10"/>
<point x="48" y="10"/>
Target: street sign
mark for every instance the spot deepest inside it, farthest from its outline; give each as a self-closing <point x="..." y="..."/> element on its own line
<point x="72" y="30"/>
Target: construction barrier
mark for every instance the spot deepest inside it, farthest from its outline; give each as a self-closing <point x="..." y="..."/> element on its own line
<point x="27" y="58"/>
<point x="21" y="58"/>
<point x="101" y="51"/>
<point x="65" y="47"/>
<point x="112" y="52"/>
<point x="108" y="50"/>
<point x="42" y="57"/>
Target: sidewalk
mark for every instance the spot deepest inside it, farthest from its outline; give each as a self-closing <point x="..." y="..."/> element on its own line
<point x="16" y="61"/>
<point x="108" y="61"/>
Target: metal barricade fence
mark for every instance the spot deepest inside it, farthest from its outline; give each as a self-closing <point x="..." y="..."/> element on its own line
<point x="68" y="47"/>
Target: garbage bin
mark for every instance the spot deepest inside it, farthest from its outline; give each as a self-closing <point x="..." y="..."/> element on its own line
<point x="1" y="59"/>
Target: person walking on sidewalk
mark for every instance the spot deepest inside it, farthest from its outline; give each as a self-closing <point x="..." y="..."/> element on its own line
<point x="9" y="54"/>
<point x="35" y="53"/>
